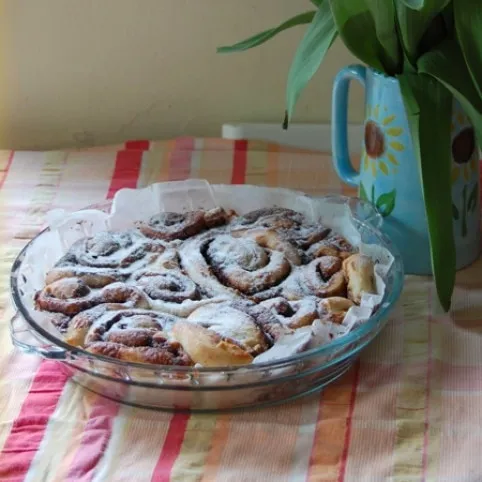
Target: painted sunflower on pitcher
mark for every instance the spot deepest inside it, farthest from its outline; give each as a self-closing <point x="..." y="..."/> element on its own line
<point x="381" y="143"/>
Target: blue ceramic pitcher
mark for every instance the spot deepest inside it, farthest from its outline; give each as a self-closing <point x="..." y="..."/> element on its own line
<point x="388" y="175"/>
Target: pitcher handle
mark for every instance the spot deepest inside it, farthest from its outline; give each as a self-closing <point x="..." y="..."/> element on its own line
<point x="339" y="115"/>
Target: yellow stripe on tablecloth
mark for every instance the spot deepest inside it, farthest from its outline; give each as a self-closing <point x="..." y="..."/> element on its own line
<point x="411" y="409"/>
<point x="155" y="164"/>
<point x="44" y="194"/>
<point x="256" y="167"/>
<point x="218" y="443"/>
<point x="195" y="449"/>
<point x="216" y="165"/>
<point x="64" y="430"/>
<point x="134" y="447"/>
<point x="78" y="177"/>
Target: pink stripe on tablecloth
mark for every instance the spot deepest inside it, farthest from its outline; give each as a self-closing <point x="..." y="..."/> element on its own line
<point x="351" y="409"/>
<point x="4" y="172"/>
<point x="180" y="159"/>
<point x="29" y="427"/>
<point x="171" y="448"/>
<point x="240" y="161"/>
<point x="97" y="433"/>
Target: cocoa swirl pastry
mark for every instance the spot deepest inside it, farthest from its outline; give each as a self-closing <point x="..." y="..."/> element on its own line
<point x="235" y="266"/>
<point x="222" y="335"/>
<point x="204" y="287"/>
<point x="332" y="245"/>
<point x="293" y="314"/>
<point x="131" y="335"/>
<point x="70" y="296"/>
<point x="105" y="258"/>
<point x="170" y="226"/>
<point x="323" y="277"/>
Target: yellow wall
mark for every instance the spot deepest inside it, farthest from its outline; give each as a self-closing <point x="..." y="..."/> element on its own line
<point x="85" y="72"/>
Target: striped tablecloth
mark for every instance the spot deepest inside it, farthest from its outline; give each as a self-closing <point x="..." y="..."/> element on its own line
<point x="410" y="410"/>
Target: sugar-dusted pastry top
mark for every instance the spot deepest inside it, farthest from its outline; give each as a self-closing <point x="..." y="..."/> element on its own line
<point x="204" y="287"/>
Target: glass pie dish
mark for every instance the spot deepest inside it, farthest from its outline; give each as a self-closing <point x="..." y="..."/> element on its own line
<point x="209" y="389"/>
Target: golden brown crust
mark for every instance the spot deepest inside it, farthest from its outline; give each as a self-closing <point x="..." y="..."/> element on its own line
<point x="71" y="296"/>
<point x="334" y="309"/>
<point x="207" y="348"/>
<point x="360" y="276"/>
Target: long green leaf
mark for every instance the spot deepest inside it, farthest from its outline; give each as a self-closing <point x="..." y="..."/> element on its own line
<point x="420" y="25"/>
<point x="446" y="64"/>
<point x="468" y="26"/>
<point x="413" y="4"/>
<point x="426" y="99"/>
<point x="367" y="28"/>
<point x="260" y="38"/>
<point x="318" y="38"/>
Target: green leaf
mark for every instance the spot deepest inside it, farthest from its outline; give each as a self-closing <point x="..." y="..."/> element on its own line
<point x="260" y="38"/>
<point x="426" y="99"/>
<point x="386" y="203"/>
<point x="318" y="38"/>
<point x="373" y="194"/>
<point x="446" y="64"/>
<point x="468" y="26"/>
<point x="421" y="29"/>
<point x="363" y="193"/>
<point x="413" y="4"/>
<point x="455" y="212"/>
<point x="363" y="25"/>
<point x="317" y="3"/>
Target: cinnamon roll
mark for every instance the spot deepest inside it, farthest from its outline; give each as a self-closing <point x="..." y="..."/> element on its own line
<point x="360" y="275"/>
<point x="131" y="335"/>
<point x="332" y="245"/>
<point x="105" y="258"/>
<point x="70" y="296"/>
<point x="322" y="277"/>
<point x="170" y="226"/>
<point x="221" y="335"/>
<point x="293" y="314"/>
<point x="237" y="267"/>
<point x="334" y="309"/>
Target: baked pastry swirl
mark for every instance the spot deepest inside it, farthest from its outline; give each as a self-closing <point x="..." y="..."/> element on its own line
<point x="105" y="258"/>
<point x="204" y="287"/>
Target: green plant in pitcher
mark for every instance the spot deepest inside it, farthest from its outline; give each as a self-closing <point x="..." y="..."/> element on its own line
<point x="434" y="49"/>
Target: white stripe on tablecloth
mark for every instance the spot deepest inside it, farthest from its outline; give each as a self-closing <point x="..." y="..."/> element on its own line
<point x="304" y="443"/>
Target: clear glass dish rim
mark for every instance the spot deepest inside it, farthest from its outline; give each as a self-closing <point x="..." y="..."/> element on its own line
<point x="387" y="304"/>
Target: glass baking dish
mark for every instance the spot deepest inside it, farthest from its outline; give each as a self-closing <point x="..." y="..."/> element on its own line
<point x="211" y="389"/>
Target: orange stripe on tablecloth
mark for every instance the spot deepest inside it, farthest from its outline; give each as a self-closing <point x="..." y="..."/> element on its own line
<point x="180" y="159"/>
<point x="341" y="475"/>
<point x="126" y="171"/>
<point x="333" y="421"/>
<point x="29" y="427"/>
<point x="272" y="166"/>
<point x="218" y="443"/>
<point x="239" y="162"/>
<point x="96" y="436"/>
<point x="172" y="447"/>
<point x="5" y="163"/>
